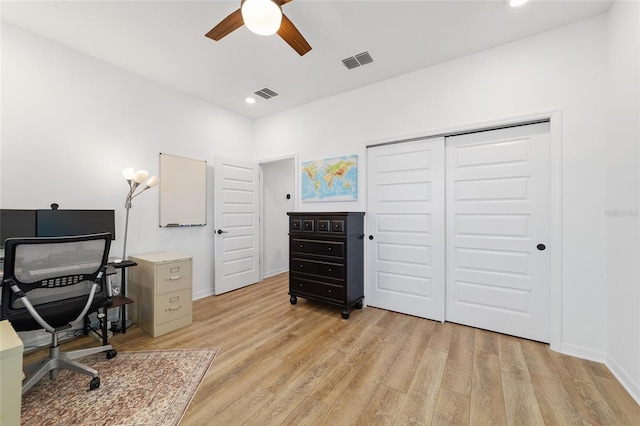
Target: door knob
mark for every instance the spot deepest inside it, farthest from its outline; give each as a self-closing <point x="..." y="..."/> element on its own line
<point x="220" y="231"/>
<point x="541" y="247"/>
<point x="371" y="237"/>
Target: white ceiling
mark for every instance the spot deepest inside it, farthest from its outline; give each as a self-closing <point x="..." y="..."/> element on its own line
<point x="164" y="41"/>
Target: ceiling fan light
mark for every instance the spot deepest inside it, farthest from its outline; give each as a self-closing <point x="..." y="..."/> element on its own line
<point x="262" y="17"/>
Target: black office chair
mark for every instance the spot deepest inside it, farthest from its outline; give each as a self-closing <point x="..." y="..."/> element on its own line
<point x="53" y="283"/>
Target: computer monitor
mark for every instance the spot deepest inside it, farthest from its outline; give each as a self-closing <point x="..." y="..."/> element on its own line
<point x="16" y="223"/>
<point x="61" y="223"/>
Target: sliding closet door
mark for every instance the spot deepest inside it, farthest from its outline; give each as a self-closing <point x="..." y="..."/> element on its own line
<point x="498" y="224"/>
<point x="405" y="214"/>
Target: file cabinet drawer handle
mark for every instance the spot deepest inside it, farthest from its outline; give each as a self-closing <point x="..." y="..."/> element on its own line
<point x="173" y="278"/>
<point x="174" y="308"/>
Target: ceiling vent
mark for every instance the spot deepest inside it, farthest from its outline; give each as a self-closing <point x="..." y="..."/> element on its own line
<point x="266" y="93"/>
<point x="357" y="60"/>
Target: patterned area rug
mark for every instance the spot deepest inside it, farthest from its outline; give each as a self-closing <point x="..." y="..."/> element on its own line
<point x="136" y="388"/>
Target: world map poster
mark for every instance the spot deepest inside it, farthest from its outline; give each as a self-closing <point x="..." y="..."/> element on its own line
<point x="332" y="179"/>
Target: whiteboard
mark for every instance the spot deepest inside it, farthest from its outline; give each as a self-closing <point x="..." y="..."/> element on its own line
<point x="183" y="191"/>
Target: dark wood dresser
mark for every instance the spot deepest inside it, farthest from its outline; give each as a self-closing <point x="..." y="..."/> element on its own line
<point x="326" y="258"/>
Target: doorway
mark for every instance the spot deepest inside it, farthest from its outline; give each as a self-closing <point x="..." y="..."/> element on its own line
<point x="277" y="197"/>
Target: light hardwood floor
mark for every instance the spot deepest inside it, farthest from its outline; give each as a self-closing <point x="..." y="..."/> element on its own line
<point x="305" y="365"/>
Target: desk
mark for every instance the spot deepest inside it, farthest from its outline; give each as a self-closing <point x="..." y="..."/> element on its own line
<point x="10" y="374"/>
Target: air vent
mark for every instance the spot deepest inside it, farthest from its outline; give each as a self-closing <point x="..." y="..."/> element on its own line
<point x="266" y="93"/>
<point x="357" y="60"/>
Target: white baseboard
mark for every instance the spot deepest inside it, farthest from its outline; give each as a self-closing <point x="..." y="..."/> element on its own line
<point x="584" y="353"/>
<point x="276" y="272"/>
<point x="626" y="380"/>
<point x="202" y="294"/>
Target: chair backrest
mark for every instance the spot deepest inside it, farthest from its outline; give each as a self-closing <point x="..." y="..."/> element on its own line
<point x="56" y="276"/>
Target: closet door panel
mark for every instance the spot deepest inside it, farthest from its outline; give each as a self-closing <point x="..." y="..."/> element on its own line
<point x="405" y="214"/>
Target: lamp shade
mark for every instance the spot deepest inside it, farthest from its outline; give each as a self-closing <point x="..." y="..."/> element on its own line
<point x="153" y="181"/>
<point x="140" y="176"/>
<point x="128" y="173"/>
<point x="262" y="17"/>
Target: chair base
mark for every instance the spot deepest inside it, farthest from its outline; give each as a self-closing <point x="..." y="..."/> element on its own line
<point x="58" y="360"/>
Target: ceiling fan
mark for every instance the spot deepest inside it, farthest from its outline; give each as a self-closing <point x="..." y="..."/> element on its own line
<point x="256" y="22"/>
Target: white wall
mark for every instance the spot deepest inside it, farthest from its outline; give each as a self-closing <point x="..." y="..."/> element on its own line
<point x="565" y="69"/>
<point x="278" y="180"/>
<point x="71" y="123"/>
<point x="623" y="190"/>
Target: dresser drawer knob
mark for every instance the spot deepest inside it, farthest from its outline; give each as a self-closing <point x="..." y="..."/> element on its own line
<point x="329" y="291"/>
<point x="330" y="248"/>
<point x="329" y="269"/>
<point x="302" y="266"/>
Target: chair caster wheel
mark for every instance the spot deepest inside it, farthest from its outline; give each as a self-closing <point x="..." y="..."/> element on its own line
<point x="94" y="383"/>
<point x="345" y="313"/>
<point x="111" y="353"/>
<point x="359" y="305"/>
<point x="293" y="300"/>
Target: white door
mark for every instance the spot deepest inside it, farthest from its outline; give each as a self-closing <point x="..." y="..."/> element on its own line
<point x="405" y="215"/>
<point x="236" y="224"/>
<point x="498" y="224"/>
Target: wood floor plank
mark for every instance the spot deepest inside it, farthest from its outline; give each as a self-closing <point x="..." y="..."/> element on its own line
<point x="619" y="400"/>
<point x="538" y="359"/>
<point x="420" y="401"/>
<point x="487" y="397"/>
<point x="287" y="398"/>
<point x="485" y="341"/>
<point x="452" y="408"/>
<point x="521" y="404"/>
<point x="307" y="413"/>
<point x="361" y="387"/>
<point x="555" y="402"/>
<point x="382" y="408"/>
<point x="458" y="374"/>
<point x="441" y="336"/>
<point x="403" y="370"/>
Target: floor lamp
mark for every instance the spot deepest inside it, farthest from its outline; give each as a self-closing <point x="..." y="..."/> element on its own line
<point x="134" y="179"/>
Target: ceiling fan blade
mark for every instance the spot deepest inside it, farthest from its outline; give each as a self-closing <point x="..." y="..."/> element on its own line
<point x="292" y="36"/>
<point x="226" y="26"/>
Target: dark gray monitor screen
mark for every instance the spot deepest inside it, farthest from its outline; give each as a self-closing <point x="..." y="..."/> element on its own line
<point x="17" y="223"/>
<point x="61" y="223"/>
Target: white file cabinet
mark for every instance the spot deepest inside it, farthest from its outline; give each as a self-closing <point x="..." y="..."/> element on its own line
<point x="161" y="287"/>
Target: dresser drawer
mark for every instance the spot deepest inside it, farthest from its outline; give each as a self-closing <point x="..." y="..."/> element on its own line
<point x="316" y="267"/>
<point x="322" y="248"/>
<point x="173" y="276"/>
<point x="295" y="225"/>
<point x="302" y="287"/>
<point x="171" y="306"/>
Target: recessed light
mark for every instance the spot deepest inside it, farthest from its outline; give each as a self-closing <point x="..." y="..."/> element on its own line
<point x="516" y="3"/>
<point x="250" y="100"/>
